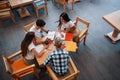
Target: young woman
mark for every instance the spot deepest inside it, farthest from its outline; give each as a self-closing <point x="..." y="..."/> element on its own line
<point x="65" y="24"/>
<point x="28" y="49"/>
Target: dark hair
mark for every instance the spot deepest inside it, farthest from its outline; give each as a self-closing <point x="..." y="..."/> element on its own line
<point x="40" y="23"/>
<point x="26" y="41"/>
<point x="65" y="16"/>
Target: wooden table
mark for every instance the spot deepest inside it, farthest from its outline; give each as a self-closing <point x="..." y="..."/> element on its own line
<point x="69" y="48"/>
<point x="21" y="3"/>
<point x="114" y="20"/>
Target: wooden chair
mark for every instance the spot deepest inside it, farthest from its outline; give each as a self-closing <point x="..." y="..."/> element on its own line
<point x="71" y="75"/>
<point x="17" y="68"/>
<point x="27" y="27"/>
<point x="38" y="4"/>
<point x="5" y="11"/>
<point x="65" y="2"/>
<point x="83" y="33"/>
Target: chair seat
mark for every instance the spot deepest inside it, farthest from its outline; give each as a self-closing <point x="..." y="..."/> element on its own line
<point x="62" y="77"/>
<point x="39" y="3"/>
<point x="16" y="66"/>
<point x="5" y="13"/>
<point x="69" y="73"/>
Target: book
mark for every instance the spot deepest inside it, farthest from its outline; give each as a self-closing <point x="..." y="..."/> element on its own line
<point x="69" y="37"/>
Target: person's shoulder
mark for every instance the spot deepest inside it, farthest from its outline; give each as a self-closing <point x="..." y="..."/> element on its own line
<point x="52" y="53"/>
<point x="31" y="46"/>
<point x="65" y="51"/>
<point x="71" y="22"/>
<point x="55" y="52"/>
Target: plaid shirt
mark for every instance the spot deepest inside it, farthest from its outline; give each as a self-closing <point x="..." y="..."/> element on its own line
<point x="59" y="60"/>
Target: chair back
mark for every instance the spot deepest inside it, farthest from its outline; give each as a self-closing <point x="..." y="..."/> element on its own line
<point x="78" y="19"/>
<point x="7" y="64"/>
<point x="71" y="75"/>
<point x="28" y="26"/>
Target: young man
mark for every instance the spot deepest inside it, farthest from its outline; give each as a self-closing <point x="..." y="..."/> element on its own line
<point x="58" y="59"/>
<point x="39" y="30"/>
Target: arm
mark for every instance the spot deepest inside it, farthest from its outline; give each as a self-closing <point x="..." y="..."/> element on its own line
<point x="59" y="28"/>
<point x="39" y="41"/>
<point x="45" y="30"/>
<point x="60" y="31"/>
<point x="73" y="28"/>
<point x="39" y="54"/>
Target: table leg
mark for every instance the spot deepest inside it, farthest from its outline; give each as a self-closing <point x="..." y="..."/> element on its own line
<point x="114" y="36"/>
<point x="23" y="12"/>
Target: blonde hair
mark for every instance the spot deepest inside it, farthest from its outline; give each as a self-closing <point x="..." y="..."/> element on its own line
<point x="58" y="42"/>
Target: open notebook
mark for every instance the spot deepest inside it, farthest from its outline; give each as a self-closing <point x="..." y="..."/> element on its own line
<point x="39" y="48"/>
<point x="52" y="35"/>
<point x="58" y="35"/>
<point x="66" y="36"/>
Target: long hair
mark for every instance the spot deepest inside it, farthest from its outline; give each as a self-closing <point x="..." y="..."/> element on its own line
<point x="65" y="16"/>
<point x="26" y="41"/>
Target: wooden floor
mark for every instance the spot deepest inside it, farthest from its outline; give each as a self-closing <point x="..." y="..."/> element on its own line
<point x="99" y="59"/>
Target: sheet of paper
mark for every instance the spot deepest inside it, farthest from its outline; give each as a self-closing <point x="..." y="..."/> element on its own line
<point x="51" y="35"/>
<point x="58" y="35"/>
<point x="39" y="48"/>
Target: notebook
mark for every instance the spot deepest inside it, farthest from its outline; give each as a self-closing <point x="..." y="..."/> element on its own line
<point x="68" y="37"/>
<point x="51" y="35"/>
<point x="58" y="35"/>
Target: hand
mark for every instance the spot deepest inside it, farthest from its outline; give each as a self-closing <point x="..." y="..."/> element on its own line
<point x="61" y="35"/>
<point x="63" y="46"/>
<point x="46" y="46"/>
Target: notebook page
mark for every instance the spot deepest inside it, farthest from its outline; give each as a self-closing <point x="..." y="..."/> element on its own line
<point x="39" y="48"/>
<point x="51" y="35"/>
<point x="58" y="35"/>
